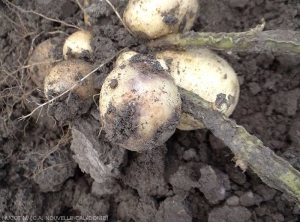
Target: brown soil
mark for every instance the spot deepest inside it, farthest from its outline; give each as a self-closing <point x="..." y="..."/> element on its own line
<point x="63" y="167"/>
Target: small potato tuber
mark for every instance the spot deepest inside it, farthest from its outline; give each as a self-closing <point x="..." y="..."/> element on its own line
<point x="42" y="59"/>
<point x="77" y="43"/>
<point x="66" y="74"/>
<point x="205" y="74"/>
<point x="155" y="18"/>
<point x="139" y="104"/>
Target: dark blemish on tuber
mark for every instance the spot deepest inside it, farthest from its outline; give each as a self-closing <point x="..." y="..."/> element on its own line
<point x="157" y="67"/>
<point x="51" y="83"/>
<point x="148" y="66"/>
<point x="220" y="100"/>
<point x="169" y="61"/>
<point x="111" y="108"/>
<point x="182" y="24"/>
<point x="50" y="93"/>
<point x="141" y="35"/>
<point x="78" y="76"/>
<point x="52" y="41"/>
<point x="170" y="20"/>
<point x="69" y="53"/>
<point x="191" y="14"/>
<point x="113" y="83"/>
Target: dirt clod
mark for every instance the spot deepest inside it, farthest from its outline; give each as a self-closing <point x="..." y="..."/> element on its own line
<point x="212" y="185"/>
<point x="229" y="214"/>
<point x="94" y="155"/>
<point x="174" y="209"/>
<point x="145" y="173"/>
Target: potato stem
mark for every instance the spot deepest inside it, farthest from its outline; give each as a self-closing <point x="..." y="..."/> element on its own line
<point x="248" y="150"/>
<point x="254" y="40"/>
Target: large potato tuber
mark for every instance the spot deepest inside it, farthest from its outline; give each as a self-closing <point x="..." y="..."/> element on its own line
<point x="206" y="74"/>
<point x="139" y="104"/>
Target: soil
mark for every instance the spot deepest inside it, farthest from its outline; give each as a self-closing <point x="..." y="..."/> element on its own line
<point x="58" y="165"/>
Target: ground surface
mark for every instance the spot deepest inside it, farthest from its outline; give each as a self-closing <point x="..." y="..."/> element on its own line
<point x="191" y="178"/>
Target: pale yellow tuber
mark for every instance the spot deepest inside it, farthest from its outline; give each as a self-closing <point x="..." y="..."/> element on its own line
<point x="43" y="59"/>
<point x="66" y="74"/>
<point x="139" y="104"/>
<point x="155" y="18"/>
<point x="205" y="74"/>
<point x="77" y="43"/>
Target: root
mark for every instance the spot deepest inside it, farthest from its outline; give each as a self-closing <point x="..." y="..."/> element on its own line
<point x="5" y="156"/>
<point x="17" y="82"/>
<point x="28" y="66"/>
<point x="15" y="91"/>
<point x="22" y="26"/>
<point x="95" y="102"/>
<point x="50" y="167"/>
<point x="80" y="6"/>
<point x="41" y="157"/>
<point x="63" y="141"/>
<point x="41" y="15"/>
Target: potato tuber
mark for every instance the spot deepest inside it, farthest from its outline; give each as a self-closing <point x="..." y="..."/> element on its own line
<point x="155" y="18"/>
<point x="66" y="74"/>
<point x="42" y="59"/>
<point x="139" y="104"/>
<point x="77" y="43"/>
<point x="205" y="74"/>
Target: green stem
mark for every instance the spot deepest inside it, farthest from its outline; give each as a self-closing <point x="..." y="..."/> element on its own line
<point x="248" y="150"/>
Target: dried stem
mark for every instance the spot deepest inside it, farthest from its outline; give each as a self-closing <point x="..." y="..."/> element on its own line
<point x="248" y="150"/>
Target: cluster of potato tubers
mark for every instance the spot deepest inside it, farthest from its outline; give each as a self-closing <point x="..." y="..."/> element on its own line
<point x="140" y="106"/>
<point x="54" y="77"/>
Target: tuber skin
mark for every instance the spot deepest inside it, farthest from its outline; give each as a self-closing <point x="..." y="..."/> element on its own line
<point x="124" y="57"/>
<point x="206" y="74"/>
<point x="152" y="19"/>
<point x="66" y="74"/>
<point x="77" y="43"/>
<point x="139" y="104"/>
<point x="42" y="60"/>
